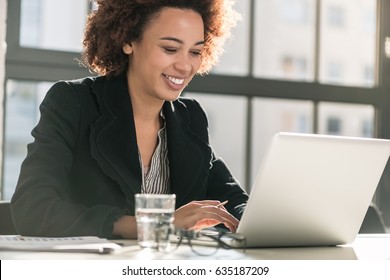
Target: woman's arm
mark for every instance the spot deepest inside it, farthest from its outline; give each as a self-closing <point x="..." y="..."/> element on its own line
<point x="126" y="227"/>
<point x="43" y="203"/>
<point x="195" y="215"/>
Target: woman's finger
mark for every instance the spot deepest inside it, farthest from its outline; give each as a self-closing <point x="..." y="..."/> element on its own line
<point x="202" y="214"/>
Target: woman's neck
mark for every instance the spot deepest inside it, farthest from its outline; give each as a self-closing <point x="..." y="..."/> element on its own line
<point x="146" y="108"/>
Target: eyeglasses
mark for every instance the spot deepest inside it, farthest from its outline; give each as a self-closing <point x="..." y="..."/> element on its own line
<point x="205" y="243"/>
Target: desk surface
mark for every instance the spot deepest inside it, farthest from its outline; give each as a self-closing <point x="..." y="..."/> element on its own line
<point x="365" y="247"/>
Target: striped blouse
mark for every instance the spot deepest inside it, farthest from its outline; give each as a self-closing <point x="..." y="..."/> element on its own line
<point x="155" y="179"/>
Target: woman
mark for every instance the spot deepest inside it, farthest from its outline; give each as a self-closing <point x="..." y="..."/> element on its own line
<point x="100" y="140"/>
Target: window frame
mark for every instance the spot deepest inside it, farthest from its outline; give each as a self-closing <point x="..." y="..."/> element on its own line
<point x="36" y="64"/>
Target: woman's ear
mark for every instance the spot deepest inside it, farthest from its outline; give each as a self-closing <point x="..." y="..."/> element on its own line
<point x="127" y="48"/>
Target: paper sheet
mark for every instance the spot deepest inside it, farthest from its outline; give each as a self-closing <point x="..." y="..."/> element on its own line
<point x="80" y="244"/>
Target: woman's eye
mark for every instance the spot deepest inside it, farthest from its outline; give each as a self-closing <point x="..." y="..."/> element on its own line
<point x="197" y="53"/>
<point x="169" y="50"/>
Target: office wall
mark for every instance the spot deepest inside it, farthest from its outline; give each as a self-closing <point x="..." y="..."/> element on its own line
<point x="3" y="12"/>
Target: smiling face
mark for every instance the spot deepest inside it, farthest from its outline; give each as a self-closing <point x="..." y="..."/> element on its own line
<point x="167" y="57"/>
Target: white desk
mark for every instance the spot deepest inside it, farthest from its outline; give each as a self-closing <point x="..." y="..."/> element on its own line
<point x="365" y="247"/>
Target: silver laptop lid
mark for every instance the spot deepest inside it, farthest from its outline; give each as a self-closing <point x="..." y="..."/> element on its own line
<point x="313" y="190"/>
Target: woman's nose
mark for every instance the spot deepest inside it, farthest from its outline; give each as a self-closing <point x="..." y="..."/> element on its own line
<point x="183" y="64"/>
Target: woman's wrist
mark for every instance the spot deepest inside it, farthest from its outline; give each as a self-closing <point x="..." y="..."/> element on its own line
<point x="126" y="227"/>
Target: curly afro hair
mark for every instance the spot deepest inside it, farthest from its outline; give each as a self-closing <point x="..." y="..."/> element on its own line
<point x="116" y="22"/>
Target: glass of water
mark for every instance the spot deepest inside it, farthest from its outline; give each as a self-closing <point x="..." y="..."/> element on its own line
<point x="154" y="215"/>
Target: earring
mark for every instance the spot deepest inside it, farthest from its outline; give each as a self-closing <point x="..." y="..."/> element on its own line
<point x="127" y="49"/>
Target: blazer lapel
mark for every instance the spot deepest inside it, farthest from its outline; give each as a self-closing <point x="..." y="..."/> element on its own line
<point x="189" y="156"/>
<point x="113" y="136"/>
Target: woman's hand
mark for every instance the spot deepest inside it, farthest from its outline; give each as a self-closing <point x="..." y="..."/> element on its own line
<point x="195" y="215"/>
<point x="198" y="215"/>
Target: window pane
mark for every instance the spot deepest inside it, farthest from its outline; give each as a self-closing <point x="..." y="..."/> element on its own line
<point x="346" y="119"/>
<point x="21" y="115"/>
<point x="348" y="42"/>
<point x="53" y="24"/>
<point x="227" y="119"/>
<point x="275" y="115"/>
<point x="284" y="39"/>
<point x="234" y="60"/>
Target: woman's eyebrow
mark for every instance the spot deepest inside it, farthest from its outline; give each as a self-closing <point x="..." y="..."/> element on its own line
<point x="179" y="41"/>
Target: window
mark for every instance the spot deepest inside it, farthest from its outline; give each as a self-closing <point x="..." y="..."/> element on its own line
<point x="277" y="39"/>
<point x="348" y="44"/>
<point x="333" y="126"/>
<point x="21" y="115"/>
<point x="335" y="16"/>
<point x="334" y="72"/>
<point x="42" y="24"/>
<point x="346" y="119"/>
<point x="234" y="60"/>
<point x="291" y="65"/>
<point x="271" y="116"/>
<point x="294" y="11"/>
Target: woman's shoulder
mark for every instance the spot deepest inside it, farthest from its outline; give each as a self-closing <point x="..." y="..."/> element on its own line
<point x="67" y="85"/>
<point x="189" y="104"/>
<point x="78" y="84"/>
<point x="192" y="109"/>
<point x="71" y="90"/>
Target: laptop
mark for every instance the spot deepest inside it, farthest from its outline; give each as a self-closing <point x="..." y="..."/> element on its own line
<point x="313" y="190"/>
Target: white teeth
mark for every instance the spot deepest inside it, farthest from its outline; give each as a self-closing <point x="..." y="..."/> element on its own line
<point x="175" y="80"/>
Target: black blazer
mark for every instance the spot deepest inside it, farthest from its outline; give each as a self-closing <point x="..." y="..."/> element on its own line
<point x="82" y="170"/>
